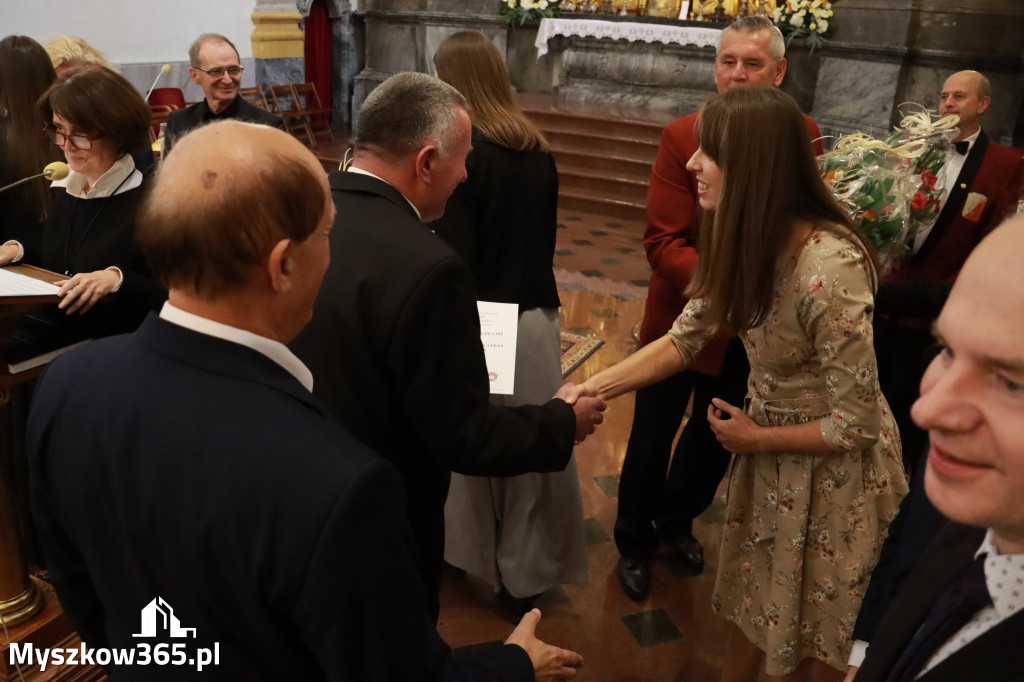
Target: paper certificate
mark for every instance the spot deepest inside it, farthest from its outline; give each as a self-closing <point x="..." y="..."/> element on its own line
<point x="16" y="284"/>
<point x="499" y="325"/>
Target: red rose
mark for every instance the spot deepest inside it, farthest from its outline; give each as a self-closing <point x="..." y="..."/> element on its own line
<point x="928" y="180"/>
<point x="919" y="201"/>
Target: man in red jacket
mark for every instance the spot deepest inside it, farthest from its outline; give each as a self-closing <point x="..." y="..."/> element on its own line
<point x="750" y="53"/>
<point x="981" y="182"/>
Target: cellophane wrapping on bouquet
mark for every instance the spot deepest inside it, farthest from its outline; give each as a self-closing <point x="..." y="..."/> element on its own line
<point x="892" y="188"/>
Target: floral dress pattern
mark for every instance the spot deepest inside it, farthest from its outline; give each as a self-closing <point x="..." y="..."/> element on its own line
<point x="803" y="531"/>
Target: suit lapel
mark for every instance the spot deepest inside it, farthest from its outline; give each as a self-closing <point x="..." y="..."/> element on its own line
<point x="957" y="194"/>
<point x="218" y="356"/>
<point x="344" y="181"/>
<point x="989" y="657"/>
<point x="949" y="553"/>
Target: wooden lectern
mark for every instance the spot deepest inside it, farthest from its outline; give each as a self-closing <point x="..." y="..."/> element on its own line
<point x="29" y="608"/>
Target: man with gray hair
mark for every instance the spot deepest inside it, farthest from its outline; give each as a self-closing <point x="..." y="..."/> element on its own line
<point x="215" y="66"/>
<point x="658" y="501"/>
<point x="395" y="339"/>
<point x="232" y="503"/>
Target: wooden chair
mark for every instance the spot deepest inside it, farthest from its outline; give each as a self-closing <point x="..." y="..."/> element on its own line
<point x="319" y="117"/>
<point x="173" y="96"/>
<point x="288" y="106"/>
<point x="255" y="96"/>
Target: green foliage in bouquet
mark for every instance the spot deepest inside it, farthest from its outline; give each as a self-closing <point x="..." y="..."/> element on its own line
<point x="521" y="11"/>
<point x="891" y="188"/>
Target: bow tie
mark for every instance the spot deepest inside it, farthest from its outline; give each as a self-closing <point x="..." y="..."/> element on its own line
<point x="961" y="147"/>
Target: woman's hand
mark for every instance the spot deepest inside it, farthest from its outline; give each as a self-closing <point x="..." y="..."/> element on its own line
<point x="9" y="252"/>
<point x="569" y="392"/>
<point x="738" y="433"/>
<point x="81" y="292"/>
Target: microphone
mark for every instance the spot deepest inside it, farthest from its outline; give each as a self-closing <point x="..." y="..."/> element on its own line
<point x="58" y="170"/>
<point x="166" y="68"/>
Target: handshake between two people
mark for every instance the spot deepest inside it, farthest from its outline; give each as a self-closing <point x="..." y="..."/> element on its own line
<point x="588" y="410"/>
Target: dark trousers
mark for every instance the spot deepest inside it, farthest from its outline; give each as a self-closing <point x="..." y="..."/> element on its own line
<point x="648" y="496"/>
<point x="903" y="355"/>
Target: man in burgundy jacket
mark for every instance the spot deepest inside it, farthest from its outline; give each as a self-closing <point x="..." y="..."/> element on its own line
<point x="750" y="53"/>
<point x="982" y="183"/>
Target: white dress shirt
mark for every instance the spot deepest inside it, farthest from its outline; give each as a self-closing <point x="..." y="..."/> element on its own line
<point x="948" y="175"/>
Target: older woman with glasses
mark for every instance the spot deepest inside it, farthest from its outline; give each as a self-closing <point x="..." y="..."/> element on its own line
<point x="96" y="116"/>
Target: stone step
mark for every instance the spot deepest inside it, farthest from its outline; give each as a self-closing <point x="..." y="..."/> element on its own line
<point x="601" y="204"/>
<point x="623" y="146"/>
<point x="597" y="118"/>
<point x="608" y="162"/>
<point x="631" y="189"/>
<point x="598" y="127"/>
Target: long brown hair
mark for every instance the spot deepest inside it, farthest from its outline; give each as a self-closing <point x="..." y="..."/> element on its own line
<point x="759" y="139"/>
<point x="469" y="62"/>
<point x="25" y="73"/>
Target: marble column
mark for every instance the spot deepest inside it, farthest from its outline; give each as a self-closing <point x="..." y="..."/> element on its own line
<point x="278" y="44"/>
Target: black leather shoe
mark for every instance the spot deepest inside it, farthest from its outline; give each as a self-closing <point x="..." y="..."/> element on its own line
<point x="689" y="551"/>
<point x="635" y="578"/>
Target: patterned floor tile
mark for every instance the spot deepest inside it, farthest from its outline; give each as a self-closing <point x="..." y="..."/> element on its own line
<point x="650" y="628"/>
<point x="608" y="484"/>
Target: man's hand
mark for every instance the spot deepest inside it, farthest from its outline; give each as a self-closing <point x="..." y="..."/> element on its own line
<point x="549" y="662"/>
<point x="738" y="433"/>
<point x="80" y="293"/>
<point x="851" y="673"/>
<point x="588" y="410"/>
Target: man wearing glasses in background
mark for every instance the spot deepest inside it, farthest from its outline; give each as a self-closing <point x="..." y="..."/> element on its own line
<point x="214" y="66"/>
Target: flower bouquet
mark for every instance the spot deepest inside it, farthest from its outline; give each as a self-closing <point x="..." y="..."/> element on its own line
<point x="807" y="19"/>
<point x="891" y="188"/>
<point x="521" y="11"/>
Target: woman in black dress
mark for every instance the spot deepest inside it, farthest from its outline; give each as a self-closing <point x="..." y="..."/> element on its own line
<point x="523" y="534"/>
<point x="96" y="117"/>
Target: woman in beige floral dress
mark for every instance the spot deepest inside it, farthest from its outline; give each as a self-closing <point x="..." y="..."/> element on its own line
<point x="817" y="475"/>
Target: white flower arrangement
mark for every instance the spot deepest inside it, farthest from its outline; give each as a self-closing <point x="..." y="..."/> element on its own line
<point x="807" y="19"/>
<point x="521" y="11"/>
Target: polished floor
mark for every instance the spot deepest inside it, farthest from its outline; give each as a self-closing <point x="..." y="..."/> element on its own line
<point x="602" y="274"/>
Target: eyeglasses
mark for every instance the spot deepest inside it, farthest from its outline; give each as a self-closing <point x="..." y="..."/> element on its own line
<point x="218" y="72"/>
<point x="79" y="141"/>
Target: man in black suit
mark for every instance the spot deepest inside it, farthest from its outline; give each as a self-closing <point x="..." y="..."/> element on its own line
<point x="960" y="614"/>
<point x="395" y="339"/>
<point x="187" y="468"/>
<point x="215" y="66"/>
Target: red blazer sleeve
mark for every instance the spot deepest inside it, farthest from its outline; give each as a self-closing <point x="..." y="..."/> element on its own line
<point x="671" y="236"/>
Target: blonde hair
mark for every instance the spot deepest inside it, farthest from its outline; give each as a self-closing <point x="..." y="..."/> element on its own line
<point x="469" y="62"/>
<point x="69" y="52"/>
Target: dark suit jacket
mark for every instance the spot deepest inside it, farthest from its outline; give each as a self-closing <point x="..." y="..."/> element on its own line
<point x="991" y="171"/>
<point x="996" y="656"/>
<point x="671" y="236"/>
<point x="174" y="464"/>
<point x="394" y="346"/>
<point x="183" y="120"/>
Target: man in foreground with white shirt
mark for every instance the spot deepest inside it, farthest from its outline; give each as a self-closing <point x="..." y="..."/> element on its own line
<point x="960" y="613"/>
<point x="189" y="466"/>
